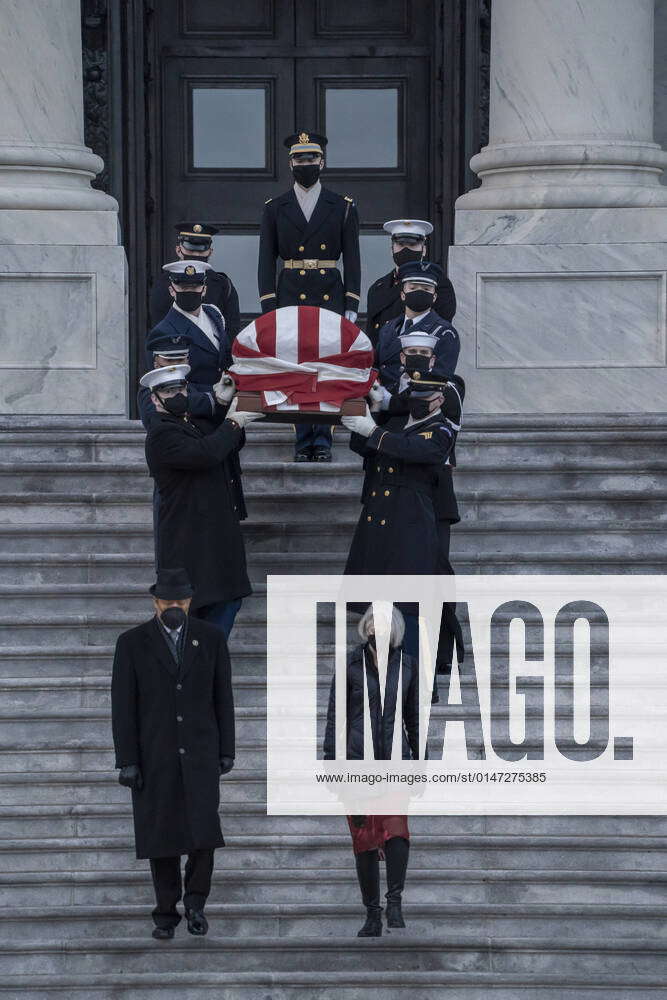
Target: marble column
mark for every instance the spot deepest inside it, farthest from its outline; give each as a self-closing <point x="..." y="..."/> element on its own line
<point x="63" y="338"/>
<point x="559" y="256"/>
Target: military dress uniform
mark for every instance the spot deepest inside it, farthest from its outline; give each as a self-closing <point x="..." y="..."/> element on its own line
<point x="195" y="237"/>
<point x="310" y="249"/>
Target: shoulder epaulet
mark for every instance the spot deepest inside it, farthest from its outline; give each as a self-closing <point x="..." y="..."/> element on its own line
<point x="347" y="198"/>
<point x="268" y="200"/>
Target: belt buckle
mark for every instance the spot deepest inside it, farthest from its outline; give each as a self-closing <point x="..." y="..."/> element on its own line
<point x="310" y="265"/>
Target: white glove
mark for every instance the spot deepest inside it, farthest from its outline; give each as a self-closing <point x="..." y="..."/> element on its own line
<point x="225" y="389"/>
<point x="351" y="315"/>
<point x="379" y="397"/>
<point x="241" y="417"/>
<point x="360" y="425"/>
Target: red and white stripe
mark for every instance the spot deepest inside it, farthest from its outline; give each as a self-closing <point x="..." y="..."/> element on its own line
<point x="302" y="357"/>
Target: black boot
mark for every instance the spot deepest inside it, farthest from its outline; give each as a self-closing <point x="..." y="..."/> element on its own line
<point x="368" y="873"/>
<point x="396" y="851"/>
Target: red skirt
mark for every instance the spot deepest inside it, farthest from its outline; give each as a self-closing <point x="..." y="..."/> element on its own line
<point x="376" y="830"/>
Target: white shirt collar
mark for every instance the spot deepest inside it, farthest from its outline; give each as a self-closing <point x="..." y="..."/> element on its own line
<point x="415" y="319"/>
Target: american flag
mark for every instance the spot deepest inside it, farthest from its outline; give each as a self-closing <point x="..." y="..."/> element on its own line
<point x="303" y="357"/>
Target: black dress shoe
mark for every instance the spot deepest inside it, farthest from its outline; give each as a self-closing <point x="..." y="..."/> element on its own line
<point x="303" y="456"/>
<point x="163" y="933"/>
<point x="322" y="454"/>
<point x="197" y="922"/>
<point x="394" y="913"/>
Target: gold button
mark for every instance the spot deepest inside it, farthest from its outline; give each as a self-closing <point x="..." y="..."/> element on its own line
<point x="376" y="325"/>
<point x="303" y="295"/>
<point x="387" y="492"/>
<point x="369" y="518"/>
<point x="373" y="494"/>
<point x="323" y="246"/>
<point x="326" y="298"/>
<point x="322" y="271"/>
<point x="382" y="521"/>
<point x="390" y="469"/>
<point x="302" y="272"/>
<point x="302" y="249"/>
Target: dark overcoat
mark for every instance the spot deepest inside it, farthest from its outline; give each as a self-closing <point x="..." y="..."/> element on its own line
<point x="219" y="292"/>
<point x="207" y="362"/>
<point x="382" y="713"/>
<point x="397" y="530"/>
<point x="384" y="303"/>
<point x="199" y="505"/>
<point x="388" y="351"/>
<point x="331" y="232"/>
<point x="175" y="724"/>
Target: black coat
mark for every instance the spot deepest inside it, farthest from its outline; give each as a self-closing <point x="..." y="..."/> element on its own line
<point x="199" y="507"/>
<point x="333" y="230"/>
<point x="388" y="350"/>
<point x="382" y="716"/>
<point x="219" y="292"/>
<point x="446" y="507"/>
<point x="206" y="362"/>
<point x="384" y="303"/>
<point x="176" y="811"/>
<point x="397" y="530"/>
<point x="201" y="403"/>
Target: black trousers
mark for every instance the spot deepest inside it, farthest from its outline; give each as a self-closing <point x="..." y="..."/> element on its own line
<point x="168" y="885"/>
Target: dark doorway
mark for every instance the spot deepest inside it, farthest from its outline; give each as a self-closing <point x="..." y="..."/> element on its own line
<point x="234" y="79"/>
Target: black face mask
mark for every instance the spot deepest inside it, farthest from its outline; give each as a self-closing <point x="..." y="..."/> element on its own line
<point x="176" y="405"/>
<point x="419" y="300"/>
<point x="306" y="174"/>
<point x="417" y="363"/>
<point x="173" y="617"/>
<point x="189" y="301"/>
<point x="419" y="407"/>
<point x="405" y="255"/>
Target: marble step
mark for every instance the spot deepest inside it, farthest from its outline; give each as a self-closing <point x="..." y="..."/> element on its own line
<point x="329" y="850"/>
<point x="48" y="888"/>
<point x="444" y="920"/>
<point x="578" y="504"/>
<point x="393" y="952"/>
<point x="353" y="985"/>
<point x="94" y="804"/>
<point x="69" y="694"/>
<point x="510" y="477"/>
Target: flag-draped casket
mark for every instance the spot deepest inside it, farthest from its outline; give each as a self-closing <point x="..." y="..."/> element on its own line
<point x="302" y="363"/>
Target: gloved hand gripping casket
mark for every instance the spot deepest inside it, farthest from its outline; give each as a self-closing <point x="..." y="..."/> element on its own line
<point x="303" y="364"/>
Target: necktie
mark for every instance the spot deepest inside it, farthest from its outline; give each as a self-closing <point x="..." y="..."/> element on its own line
<point x="408" y="326"/>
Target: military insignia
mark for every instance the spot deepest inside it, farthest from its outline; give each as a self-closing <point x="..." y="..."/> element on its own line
<point x="416" y="376"/>
<point x="268" y="200"/>
<point x="196" y="228"/>
<point x="347" y="198"/>
<point x="195" y="642"/>
<point x="304" y="137"/>
<point x="407" y="222"/>
<point x="190" y="269"/>
<point x="426" y="434"/>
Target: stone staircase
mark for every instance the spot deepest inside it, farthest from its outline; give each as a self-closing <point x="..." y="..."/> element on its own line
<point x="526" y="908"/>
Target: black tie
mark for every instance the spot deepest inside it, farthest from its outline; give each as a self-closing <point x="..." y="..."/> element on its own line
<point x="408" y="326"/>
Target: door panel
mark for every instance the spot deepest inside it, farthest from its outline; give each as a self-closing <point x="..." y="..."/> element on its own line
<point x="377" y="123"/>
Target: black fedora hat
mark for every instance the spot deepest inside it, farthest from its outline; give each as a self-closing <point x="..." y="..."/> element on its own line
<point x="172" y="585"/>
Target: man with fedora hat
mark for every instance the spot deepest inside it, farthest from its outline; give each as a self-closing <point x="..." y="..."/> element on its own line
<point x="309" y="228"/>
<point x="194" y="241"/>
<point x="173" y="729"/>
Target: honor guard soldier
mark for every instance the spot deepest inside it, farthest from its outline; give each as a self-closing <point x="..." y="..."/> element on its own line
<point x="408" y="244"/>
<point x="195" y="242"/>
<point x="203" y="401"/>
<point x="195" y="322"/>
<point x="418" y="282"/>
<point x="200" y="500"/>
<point x="172" y="712"/>
<point x="310" y="228"/>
